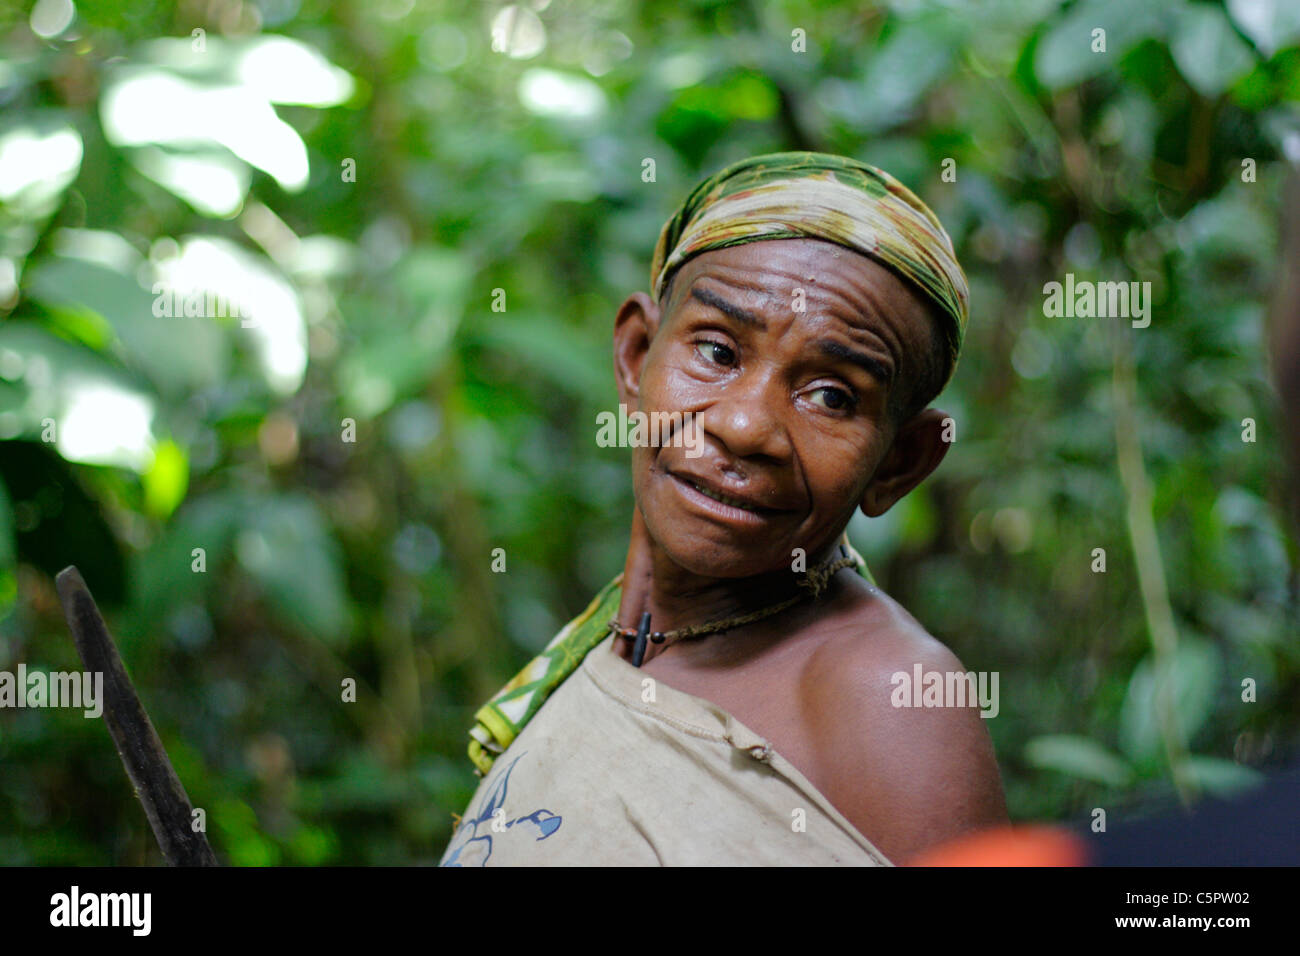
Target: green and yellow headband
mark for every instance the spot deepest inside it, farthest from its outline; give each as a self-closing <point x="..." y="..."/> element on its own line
<point x="820" y="196"/>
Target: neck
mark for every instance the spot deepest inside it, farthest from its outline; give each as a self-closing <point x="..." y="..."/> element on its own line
<point x="677" y="597"/>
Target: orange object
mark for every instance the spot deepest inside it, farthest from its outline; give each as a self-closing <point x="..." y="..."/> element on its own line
<point x="1028" y="845"/>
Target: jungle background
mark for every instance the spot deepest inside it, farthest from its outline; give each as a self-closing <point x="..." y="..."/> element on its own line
<point x="361" y="178"/>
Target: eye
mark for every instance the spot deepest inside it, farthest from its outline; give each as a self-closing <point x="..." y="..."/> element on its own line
<point x="835" y="399"/>
<point x="715" y="352"/>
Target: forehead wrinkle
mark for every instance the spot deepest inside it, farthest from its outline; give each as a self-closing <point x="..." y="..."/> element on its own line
<point x="867" y="316"/>
<point x="851" y="287"/>
<point x="866" y="329"/>
<point x="744" y="280"/>
<point x="735" y="277"/>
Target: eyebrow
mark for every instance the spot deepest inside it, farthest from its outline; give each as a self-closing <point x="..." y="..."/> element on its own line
<point x="873" y="366"/>
<point x="727" y="308"/>
<point x="870" y="364"/>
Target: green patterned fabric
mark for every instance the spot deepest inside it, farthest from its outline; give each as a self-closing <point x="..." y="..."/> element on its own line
<point x="499" y="721"/>
<point x="820" y="196"/>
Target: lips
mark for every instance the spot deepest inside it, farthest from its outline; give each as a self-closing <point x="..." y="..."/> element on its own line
<point x="724" y="497"/>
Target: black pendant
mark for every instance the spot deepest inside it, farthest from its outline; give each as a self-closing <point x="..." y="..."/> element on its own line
<point x="638" y="649"/>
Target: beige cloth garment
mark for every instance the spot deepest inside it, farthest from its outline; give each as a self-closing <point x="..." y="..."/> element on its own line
<point x="603" y="775"/>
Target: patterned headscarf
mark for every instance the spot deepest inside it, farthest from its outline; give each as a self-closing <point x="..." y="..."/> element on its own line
<point x="820" y="196"/>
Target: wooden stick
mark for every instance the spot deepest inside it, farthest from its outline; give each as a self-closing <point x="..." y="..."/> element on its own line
<point x="165" y="802"/>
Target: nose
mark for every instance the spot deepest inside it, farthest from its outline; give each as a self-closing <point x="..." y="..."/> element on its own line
<point x="748" y="418"/>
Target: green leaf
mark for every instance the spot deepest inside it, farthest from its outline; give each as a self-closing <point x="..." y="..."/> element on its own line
<point x="1272" y="24"/>
<point x="1079" y="757"/>
<point x="177" y="354"/>
<point x="1195" y="675"/>
<point x="750" y="96"/>
<point x="164" y="577"/>
<point x="40" y="156"/>
<point x="1207" y="51"/>
<point x="897" y="74"/>
<point x="166" y="480"/>
<point x="283" y="543"/>
<point x="98" y="414"/>
<point x="62" y="519"/>
<point x="8" y="555"/>
<point x="237" y="825"/>
<point x="896" y="78"/>
<point x="286" y="546"/>
<point x="566" y="359"/>
<point x="405" y="334"/>
<point x="1222" y="778"/>
<point x="1065" y="56"/>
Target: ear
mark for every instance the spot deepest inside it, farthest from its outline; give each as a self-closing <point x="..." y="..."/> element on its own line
<point x="917" y="449"/>
<point x="634" y="330"/>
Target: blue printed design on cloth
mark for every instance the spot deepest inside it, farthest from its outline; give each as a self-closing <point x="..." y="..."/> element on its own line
<point x="472" y="848"/>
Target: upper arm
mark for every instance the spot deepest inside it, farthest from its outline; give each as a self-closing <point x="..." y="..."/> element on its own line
<point x="907" y="778"/>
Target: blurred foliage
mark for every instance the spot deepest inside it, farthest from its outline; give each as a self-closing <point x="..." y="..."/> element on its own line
<point x="172" y="153"/>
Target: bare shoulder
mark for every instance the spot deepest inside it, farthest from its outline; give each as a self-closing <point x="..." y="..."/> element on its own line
<point x="908" y="777"/>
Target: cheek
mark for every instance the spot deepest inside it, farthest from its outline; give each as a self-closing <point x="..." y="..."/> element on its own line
<point x="838" y="469"/>
<point x="665" y="383"/>
<point x="649" y="490"/>
<point x="653" y="373"/>
<point x="642" y="462"/>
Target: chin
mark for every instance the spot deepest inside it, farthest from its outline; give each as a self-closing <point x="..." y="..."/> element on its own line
<point x="733" y="566"/>
<point x="711" y="552"/>
<point x="724" y="565"/>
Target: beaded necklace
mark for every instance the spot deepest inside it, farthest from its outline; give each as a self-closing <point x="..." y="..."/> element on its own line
<point x="811" y="584"/>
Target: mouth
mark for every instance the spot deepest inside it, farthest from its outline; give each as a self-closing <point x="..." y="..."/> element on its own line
<point x="730" y="504"/>
<point x="725" y="499"/>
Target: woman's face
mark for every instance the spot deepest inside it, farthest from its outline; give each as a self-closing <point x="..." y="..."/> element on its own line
<point x="784" y="354"/>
